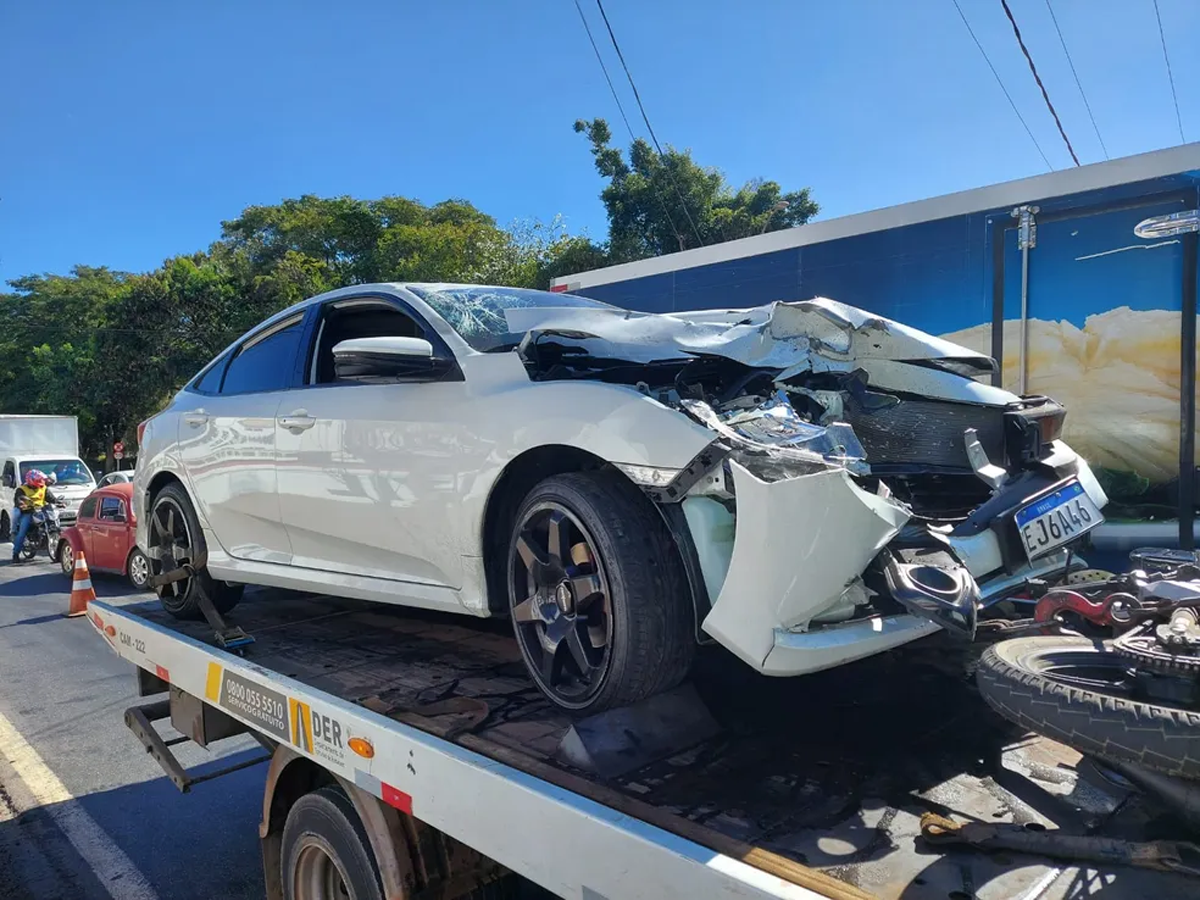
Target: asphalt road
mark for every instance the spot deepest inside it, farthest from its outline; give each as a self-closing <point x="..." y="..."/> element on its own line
<point x="84" y="812"/>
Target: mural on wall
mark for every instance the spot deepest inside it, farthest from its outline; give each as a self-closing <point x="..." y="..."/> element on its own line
<point x="1118" y="377"/>
<point x="1104" y="340"/>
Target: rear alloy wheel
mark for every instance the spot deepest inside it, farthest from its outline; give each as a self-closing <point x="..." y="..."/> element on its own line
<point x="597" y="593"/>
<point x="138" y="568"/>
<point x="175" y="540"/>
<point x="66" y="558"/>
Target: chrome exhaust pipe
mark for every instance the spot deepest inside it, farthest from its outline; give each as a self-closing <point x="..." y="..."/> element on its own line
<point x="948" y="597"/>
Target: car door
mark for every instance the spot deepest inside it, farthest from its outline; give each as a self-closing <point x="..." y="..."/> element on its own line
<point x="227" y="442"/>
<point x="108" y="532"/>
<point x="367" y="471"/>
<point x="85" y="523"/>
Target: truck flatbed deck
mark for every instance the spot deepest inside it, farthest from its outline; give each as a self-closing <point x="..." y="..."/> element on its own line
<point x="813" y="786"/>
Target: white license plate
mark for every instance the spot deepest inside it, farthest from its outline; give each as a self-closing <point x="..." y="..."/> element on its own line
<point x="1056" y="519"/>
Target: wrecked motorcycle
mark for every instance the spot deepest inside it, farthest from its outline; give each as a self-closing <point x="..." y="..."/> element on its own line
<point x="1111" y="667"/>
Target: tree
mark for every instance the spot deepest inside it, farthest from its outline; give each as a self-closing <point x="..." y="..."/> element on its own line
<point x="665" y="204"/>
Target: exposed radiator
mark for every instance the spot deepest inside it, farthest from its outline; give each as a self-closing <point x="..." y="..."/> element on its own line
<point x="927" y="431"/>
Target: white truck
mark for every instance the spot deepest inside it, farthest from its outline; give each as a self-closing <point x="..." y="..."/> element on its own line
<point x="49" y="443"/>
<point x="409" y="756"/>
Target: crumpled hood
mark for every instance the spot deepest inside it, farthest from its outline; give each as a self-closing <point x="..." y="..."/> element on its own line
<point x="809" y="335"/>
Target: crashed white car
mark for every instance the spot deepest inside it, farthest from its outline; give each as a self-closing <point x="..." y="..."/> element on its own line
<point x="805" y="483"/>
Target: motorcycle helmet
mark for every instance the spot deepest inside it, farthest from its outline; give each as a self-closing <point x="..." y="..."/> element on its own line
<point x="51" y="479"/>
<point x="35" y="478"/>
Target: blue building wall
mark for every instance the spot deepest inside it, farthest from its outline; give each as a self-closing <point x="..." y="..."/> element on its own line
<point x="938" y="275"/>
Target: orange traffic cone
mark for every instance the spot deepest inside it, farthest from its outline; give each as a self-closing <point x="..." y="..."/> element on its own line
<point x="81" y="588"/>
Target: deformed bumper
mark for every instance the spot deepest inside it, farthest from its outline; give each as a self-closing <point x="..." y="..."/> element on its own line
<point x="798" y="653"/>
<point x="800" y="545"/>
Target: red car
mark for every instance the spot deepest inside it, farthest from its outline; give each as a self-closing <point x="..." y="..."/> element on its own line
<point x="104" y="531"/>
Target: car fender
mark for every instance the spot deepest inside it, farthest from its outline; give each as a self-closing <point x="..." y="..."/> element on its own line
<point x="72" y="536"/>
<point x="616" y="422"/>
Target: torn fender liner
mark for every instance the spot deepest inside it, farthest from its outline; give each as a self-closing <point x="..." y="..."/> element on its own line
<point x="799" y="545"/>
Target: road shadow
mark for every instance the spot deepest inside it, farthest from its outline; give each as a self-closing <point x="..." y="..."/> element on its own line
<point x="188" y="847"/>
<point x="41" y="577"/>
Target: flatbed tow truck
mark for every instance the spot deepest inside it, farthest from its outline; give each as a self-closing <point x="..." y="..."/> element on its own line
<point x="409" y="756"/>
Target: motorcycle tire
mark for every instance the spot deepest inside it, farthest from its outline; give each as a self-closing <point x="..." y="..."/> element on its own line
<point x="1069" y="689"/>
<point x="29" y="550"/>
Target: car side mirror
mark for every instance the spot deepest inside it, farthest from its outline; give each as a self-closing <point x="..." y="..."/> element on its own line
<point x="9" y="481"/>
<point x="373" y="359"/>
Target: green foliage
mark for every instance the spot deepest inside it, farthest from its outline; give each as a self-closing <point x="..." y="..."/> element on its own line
<point x="665" y="204"/>
<point x="111" y="347"/>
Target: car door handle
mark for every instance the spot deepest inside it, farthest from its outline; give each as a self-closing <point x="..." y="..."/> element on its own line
<point x="299" y="420"/>
<point x="196" y="418"/>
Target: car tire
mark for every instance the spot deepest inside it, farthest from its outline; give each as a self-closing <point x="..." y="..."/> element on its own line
<point x="137" y="567"/>
<point x="612" y="594"/>
<point x="66" y="558"/>
<point x="325" y="850"/>
<point x="172" y="506"/>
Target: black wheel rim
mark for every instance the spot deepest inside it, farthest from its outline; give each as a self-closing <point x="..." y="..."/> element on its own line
<point x="170" y="546"/>
<point x="561" y="605"/>
<point x="1098" y="670"/>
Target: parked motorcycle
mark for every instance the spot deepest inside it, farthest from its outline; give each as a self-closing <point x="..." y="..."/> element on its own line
<point x="1115" y="670"/>
<point x="44" y="532"/>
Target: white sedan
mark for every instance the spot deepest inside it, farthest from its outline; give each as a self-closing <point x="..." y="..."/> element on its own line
<point x="805" y="483"/>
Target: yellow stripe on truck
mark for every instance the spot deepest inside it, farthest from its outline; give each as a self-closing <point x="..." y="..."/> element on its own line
<point x="212" y="685"/>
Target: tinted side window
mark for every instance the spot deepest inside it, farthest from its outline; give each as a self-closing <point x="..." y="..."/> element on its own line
<point x="88" y="509"/>
<point x="265" y="363"/>
<point x="210" y="382"/>
<point x="112" y="508"/>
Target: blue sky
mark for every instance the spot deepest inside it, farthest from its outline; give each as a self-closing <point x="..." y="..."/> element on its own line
<point x="131" y="129"/>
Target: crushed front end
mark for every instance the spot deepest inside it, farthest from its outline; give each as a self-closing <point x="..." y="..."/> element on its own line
<point x="863" y="488"/>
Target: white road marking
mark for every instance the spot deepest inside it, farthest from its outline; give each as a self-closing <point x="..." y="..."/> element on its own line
<point x="108" y="862"/>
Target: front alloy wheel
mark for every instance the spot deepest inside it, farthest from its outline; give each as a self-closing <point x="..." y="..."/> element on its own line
<point x="597" y="593"/>
<point x="564" y="624"/>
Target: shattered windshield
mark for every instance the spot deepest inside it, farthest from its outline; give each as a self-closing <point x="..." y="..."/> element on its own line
<point x="478" y="314"/>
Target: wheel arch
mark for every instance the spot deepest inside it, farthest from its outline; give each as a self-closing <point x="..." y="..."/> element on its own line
<point x="533" y="465"/>
<point x="516" y="480"/>
<point x="160" y="481"/>
<point x="411" y="856"/>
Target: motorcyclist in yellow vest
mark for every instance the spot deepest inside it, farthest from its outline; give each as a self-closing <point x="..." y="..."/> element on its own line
<point x="30" y="496"/>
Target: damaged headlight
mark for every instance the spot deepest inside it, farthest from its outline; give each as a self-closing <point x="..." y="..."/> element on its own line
<point x="776" y="424"/>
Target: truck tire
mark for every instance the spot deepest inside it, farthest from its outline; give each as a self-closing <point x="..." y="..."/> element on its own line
<point x="325" y="853"/>
<point x="594" y="574"/>
<point x="173" y="512"/>
<point x="5" y="528"/>
<point x="1056" y="687"/>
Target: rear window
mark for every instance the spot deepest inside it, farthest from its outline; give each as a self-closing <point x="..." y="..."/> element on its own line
<point x="87" y="509"/>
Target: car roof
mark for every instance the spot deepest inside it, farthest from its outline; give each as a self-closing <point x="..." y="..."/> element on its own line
<point x="120" y="489"/>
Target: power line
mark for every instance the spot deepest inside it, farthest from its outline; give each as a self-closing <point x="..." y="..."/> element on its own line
<point x="1078" y="83"/>
<point x="624" y="118"/>
<point x="604" y="69"/>
<point x="1000" y="82"/>
<point x="1038" y="79"/>
<point x="649" y="128"/>
<point x="1170" y="76"/>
